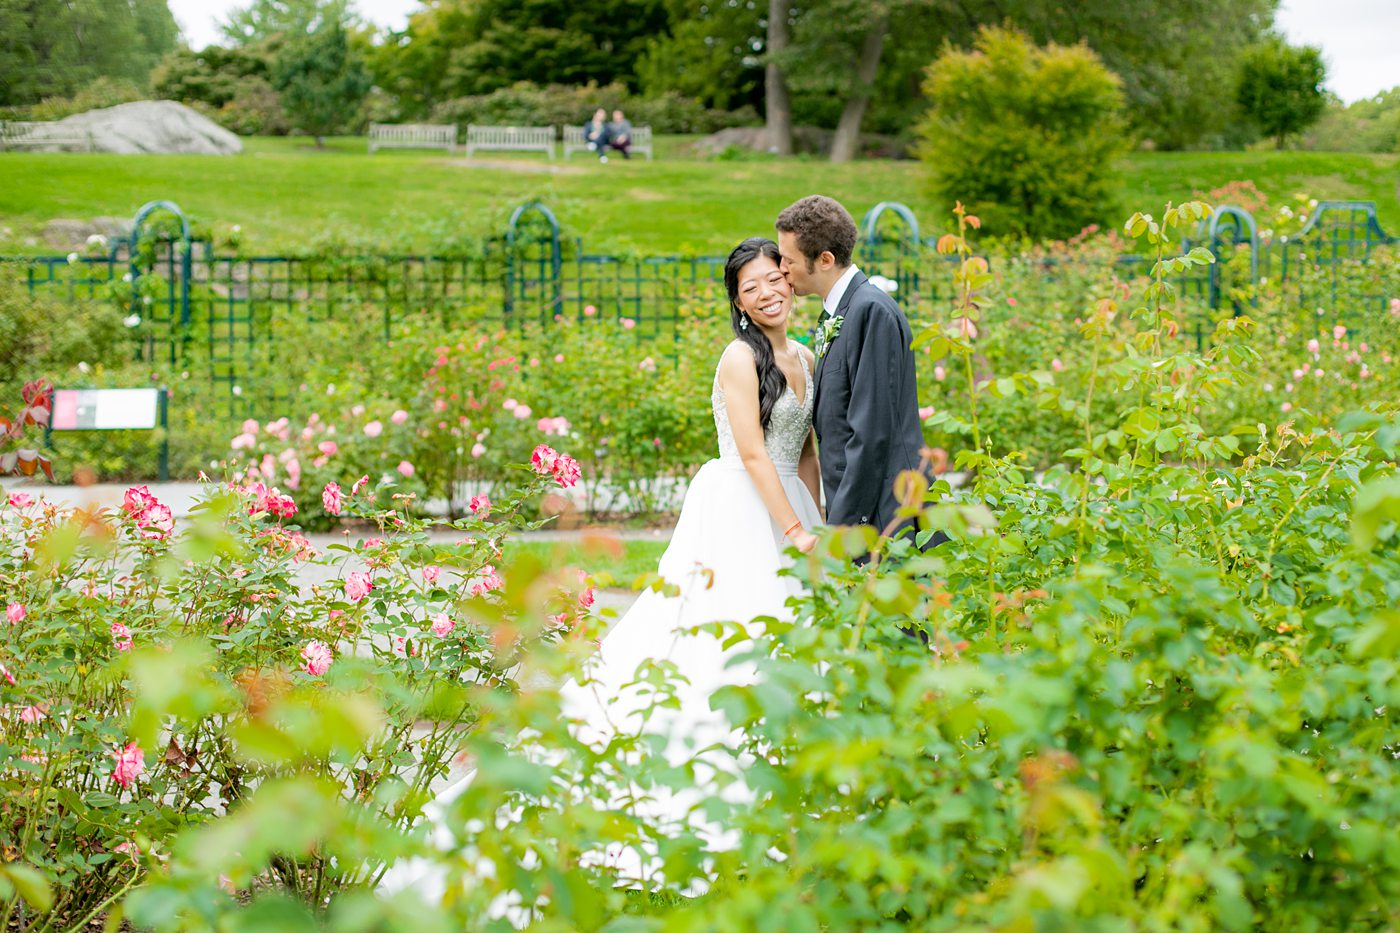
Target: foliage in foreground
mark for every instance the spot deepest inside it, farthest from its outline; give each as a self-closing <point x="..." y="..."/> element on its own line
<point x="1158" y="693"/>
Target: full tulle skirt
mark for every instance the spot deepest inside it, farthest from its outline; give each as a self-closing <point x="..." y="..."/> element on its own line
<point x="724" y="559"/>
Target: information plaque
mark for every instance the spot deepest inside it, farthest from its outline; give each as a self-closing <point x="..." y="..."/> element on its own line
<point x="105" y="409"/>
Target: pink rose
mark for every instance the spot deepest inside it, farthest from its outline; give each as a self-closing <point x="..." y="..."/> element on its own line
<point x="647" y="365"/>
<point x="357" y="411"/>
<point x="355" y="489"/>
<point x="1286" y="407"/>
<point x="374" y="429"/>
<point x="330" y="498"/>
<point x="567" y="471"/>
<point x="131" y="761"/>
<point x="137" y="499"/>
<point x="157" y="523"/>
<point x="250" y="427"/>
<point x="405" y="468"/>
<point x="1338" y="332"/>
<point x="358" y="585"/>
<point x="121" y="636"/>
<point x="328" y="448"/>
<point x="478" y="449"/>
<point x="940" y="373"/>
<point x="15" y="613"/>
<point x="32" y="714"/>
<point x="1056" y="365"/>
<point x="490" y="580"/>
<point x="628" y="323"/>
<point x="431" y="574"/>
<point x="5" y="673"/>
<point x="542" y="459"/>
<point x="268" y="467"/>
<point x="479" y="505"/>
<point x="21" y="500"/>
<point x="559" y="357"/>
<point x="589" y="310"/>
<point x="442" y="625"/>
<point x="522" y="412"/>
<point x="926" y="412"/>
<point x="965" y="327"/>
<point x="317" y="656"/>
<point x="399" y="417"/>
<point x="1314" y="346"/>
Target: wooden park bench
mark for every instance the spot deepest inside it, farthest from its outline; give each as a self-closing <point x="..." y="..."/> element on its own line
<point x="573" y="140"/>
<point x="113" y="410"/>
<point x="515" y="138"/>
<point x="413" y="136"/>
<point x="18" y="136"/>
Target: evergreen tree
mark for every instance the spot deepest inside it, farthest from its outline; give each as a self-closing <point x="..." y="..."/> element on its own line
<point x="320" y="80"/>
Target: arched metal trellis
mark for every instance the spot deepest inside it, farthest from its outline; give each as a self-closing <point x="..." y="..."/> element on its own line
<point x="180" y="282"/>
<point x="534" y="262"/>
<point x="893" y="255"/>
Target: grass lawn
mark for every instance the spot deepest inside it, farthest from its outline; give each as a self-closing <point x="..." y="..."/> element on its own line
<point x="629" y="560"/>
<point x="286" y="195"/>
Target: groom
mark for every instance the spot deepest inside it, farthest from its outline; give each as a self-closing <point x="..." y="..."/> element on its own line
<point x="867" y="409"/>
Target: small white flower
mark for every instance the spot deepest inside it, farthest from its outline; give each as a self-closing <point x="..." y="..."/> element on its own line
<point x="132" y="320"/>
<point x="97" y="241"/>
<point x="83" y="367"/>
<point x="237" y="390"/>
<point x="237" y="228"/>
<point x="330" y="388"/>
<point x="147" y="301"/>
<point x="72" y="259"/>
<point x="127" y="277"/>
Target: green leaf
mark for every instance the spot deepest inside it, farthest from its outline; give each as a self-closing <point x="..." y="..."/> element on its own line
<point x="31" y="885"/>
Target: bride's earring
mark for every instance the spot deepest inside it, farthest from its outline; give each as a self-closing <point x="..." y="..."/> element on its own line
<point x="743" y="322"/>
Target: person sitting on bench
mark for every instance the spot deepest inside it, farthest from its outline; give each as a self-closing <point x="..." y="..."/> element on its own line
<point x="595" y="134"/>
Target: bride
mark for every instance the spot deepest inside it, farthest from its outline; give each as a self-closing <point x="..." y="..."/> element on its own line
<point x="741" y="513"/>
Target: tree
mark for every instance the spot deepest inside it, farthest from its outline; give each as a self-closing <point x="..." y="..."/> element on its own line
<point x="1024" y="135"/>
<point x="262" y="20"/>
<point x="1280" y="88"/>
<point x="52" y="48"/>
<point x="320" y="80"/>
<point x="778" y="106"/>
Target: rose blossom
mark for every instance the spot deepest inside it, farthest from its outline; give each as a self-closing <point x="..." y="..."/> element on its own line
<point x="131" y="761"/>
<point x="490" y="580"/>
<point x="431" y="574"/>
<point x="1339" y="332"/>
<point x="317" y="656"/>
<point x="478" y="449"/>
<point x="405" y="468"/>
<point x="1314" y="346"/>
<point x="940" y="373"/>
<point x="480" y="504"/>
<point x="1056" y="365"/>
<point x="355" y="489"/>
<point x="121" y="636"/>
<point x="32" y="714"/>
<point x="442" y="625"/>
<point x="358" y="585"/>
<point x="399" y="417"/>
<point x="5" y="673"/>
<point x="374" y="429"/>
<point x="328" y="448"/>
<point x="21" y="500"/>
<point x="15" y="613"/>
<point x="926" y="412"/>
<point x="330" y="498"/>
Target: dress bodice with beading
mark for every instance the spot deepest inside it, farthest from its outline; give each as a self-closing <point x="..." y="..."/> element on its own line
<point x="787" y="429"/>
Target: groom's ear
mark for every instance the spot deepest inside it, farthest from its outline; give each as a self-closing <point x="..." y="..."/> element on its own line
<point x="827" y="260"/>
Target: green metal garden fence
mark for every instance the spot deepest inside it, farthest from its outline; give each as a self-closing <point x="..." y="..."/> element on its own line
<point x="226" y="313"/>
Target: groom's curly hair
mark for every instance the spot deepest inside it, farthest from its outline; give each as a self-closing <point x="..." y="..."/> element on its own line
<point x="821" y="225"/>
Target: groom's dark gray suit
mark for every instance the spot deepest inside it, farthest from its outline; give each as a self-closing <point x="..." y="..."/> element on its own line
<point x="867" y="410"/>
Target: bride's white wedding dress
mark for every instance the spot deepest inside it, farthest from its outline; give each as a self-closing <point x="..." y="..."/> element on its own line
<point x="724" y="556"/>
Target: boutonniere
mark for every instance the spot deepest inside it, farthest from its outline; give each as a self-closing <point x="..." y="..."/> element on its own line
<point x="828" y="332"/>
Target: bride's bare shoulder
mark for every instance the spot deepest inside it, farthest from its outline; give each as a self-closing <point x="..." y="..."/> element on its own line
<point x="737" y="361"/>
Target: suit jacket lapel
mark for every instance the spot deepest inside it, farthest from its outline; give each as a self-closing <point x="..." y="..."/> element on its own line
<point x="856" y="282"/>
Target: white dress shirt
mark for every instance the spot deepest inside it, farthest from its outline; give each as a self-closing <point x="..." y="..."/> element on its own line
<point x="833" y="298"/>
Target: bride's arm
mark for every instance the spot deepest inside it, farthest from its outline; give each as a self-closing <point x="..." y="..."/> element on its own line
<point x="810" y="470"/>
<point x="738" y="380"/>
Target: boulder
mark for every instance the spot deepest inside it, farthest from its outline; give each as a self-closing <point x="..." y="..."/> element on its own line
<point x="154" y="126"/>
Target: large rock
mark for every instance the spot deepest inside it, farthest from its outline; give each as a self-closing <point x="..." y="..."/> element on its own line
<point x="155" y="126"/>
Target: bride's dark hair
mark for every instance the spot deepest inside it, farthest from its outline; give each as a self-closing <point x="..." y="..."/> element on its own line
<point x="771" y="381"/>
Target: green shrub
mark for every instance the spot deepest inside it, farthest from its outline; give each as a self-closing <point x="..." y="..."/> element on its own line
<point x="1024" y="136"/>
<point x="101" y="93"/>
<point x="526" y="104"/>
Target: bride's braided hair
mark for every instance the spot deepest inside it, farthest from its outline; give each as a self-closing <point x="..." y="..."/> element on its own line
<point x="771" y="381"/>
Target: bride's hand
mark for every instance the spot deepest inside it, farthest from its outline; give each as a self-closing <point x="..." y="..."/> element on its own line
<point x="804" y="541"/>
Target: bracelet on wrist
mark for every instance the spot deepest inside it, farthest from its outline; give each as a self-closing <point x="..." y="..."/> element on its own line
<point x="788" y="533"/>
